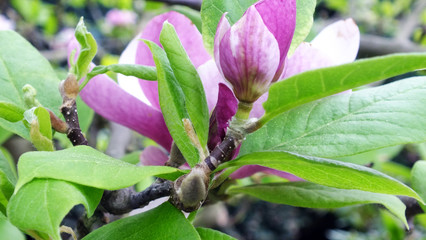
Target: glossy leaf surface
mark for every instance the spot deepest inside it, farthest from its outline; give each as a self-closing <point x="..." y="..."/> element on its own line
<point x="326" y="172"/>
<point x="189" y="81"/>
<point x="87" y="166"/>
<point x="42" y="204"/>
<point x="316" y="84"/>
<point x="21" y="64"/>
<point x="348" y="123"/>
<point x="310" y="195"/>
<point x="162" y="222"/>
<point x="172" y="102"/>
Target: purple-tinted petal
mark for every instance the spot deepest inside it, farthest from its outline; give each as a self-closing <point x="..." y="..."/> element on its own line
<point x="279" y="17"/>
<point x="105" y="97"/>
<point x="305" y="58"/>
<point x="225" y="109"/>
<point x="246" y="171"/>
<point x="249" y="170"/>
<point x="189" y="36"/>
<point x="340" y="41"/>
<point x="120" y="18"/>
<point x="222" y="28"/>
<point x="153" y="156"/>
<point x="249" y="56"/>
<point x="257" y="111"/>
<point x="73" y="45"/>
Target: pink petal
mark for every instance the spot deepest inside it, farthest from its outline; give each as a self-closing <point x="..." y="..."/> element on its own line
<point x="336" y="44"/>
<point x="279" y="17"/>
<point x="222" y="28"/>
<point x="257" y="111"/>
<point x="249" y="56"/>
<point x="189" y="36"/>
<point x="117" y="17"/>
<point x="340" y="41"/>
<point x="246" y="171"/>
<point x="225" y="109"/>
<point x="105" y="97"/>
<point x="210" y="77"/>
<point x="153" y="156"/>
<point x="305" y="58"/>
<point x="73" y="45"/>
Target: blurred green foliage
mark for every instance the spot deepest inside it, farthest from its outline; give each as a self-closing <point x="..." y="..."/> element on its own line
<point x="380" y="17"/>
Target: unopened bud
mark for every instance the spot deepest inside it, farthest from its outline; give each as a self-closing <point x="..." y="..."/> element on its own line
<point x="69" y="87"/>
<point x="190" y="190"/>
<point x="30" y="94"/>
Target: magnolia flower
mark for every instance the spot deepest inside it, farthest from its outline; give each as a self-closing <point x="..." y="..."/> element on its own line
<point x="134" y="102"/>
<point x="337" y="44"/>
<point x="251" y="54"/>
<point x="118" y="18"/>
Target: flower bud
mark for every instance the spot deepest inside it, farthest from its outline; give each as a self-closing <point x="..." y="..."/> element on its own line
<point x="251" y="54"/>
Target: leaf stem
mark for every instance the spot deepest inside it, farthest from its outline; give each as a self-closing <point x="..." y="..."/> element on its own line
<point x="243" y="111"/>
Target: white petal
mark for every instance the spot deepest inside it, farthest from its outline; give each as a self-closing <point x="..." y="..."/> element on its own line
<point x="131" y="84"/>
<point x="339" y="40"/>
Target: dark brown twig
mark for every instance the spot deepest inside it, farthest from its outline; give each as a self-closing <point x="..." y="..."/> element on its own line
<point x="69" y="91"/>
<point x="125" y="200"/>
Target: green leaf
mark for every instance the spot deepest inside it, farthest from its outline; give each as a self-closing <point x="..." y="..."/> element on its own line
<point x="139" y="71"/>
<point x="374" y="156"/>
<point x="310" y="195"/>
<point x="30" y="96"/>
<point x="316" y="84"/>
<point x="393" y="169"/>
<point x="6" y="185"/>
<point x="21" y="64"/>
<point x="189" y="80"/>
<point x="87" y="166"/>
<point x="6" y="191"/>
<point x="210" y="234"/>
<point x="4" y="135"/>
<point x="163" y="222"/>
<point x="8" y="231"/>
<point x="10" y="112"/>
<point x="212" y="11"/>
<point x="418" y="174"/>
<point x="172" y="103"/>
<point x="8" y="167"/>
<point x="40" y="128"/>
<point x="326" y="172"/>
<point x="348" y="124"/>
<point x="304" y="21"/>
<point x="87" y="52"/>
<point x="42" y="204"/>
<point x="132" y="158"/>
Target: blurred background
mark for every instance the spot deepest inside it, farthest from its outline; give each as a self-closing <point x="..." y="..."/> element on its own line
<point x="387" y="26"/>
